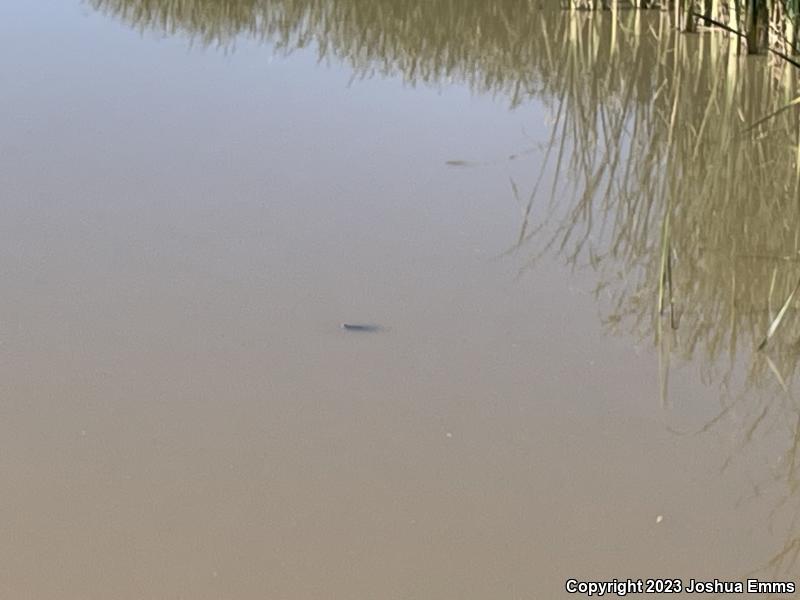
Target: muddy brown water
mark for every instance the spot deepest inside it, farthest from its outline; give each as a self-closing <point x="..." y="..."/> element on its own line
<point x="196" y="196"/>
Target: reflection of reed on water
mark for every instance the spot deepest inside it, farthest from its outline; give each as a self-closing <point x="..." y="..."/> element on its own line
<point x="656" y="174"/>
<point x="488" y="44"/>
<point x="665" y="177"/>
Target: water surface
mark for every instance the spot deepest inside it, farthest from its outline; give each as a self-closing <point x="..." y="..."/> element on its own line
<point x="569" y="238"/>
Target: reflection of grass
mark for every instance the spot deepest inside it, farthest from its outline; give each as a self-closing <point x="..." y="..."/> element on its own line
<point x="666" y="185"/>
<point x="690" y="220"/>
<point x="487" y="43"/>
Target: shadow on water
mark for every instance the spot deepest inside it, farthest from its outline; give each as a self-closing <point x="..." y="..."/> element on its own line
<point x="660" y="175"/>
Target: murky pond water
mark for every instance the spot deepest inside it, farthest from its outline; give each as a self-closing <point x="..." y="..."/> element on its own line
<point x="571" y="240"/>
